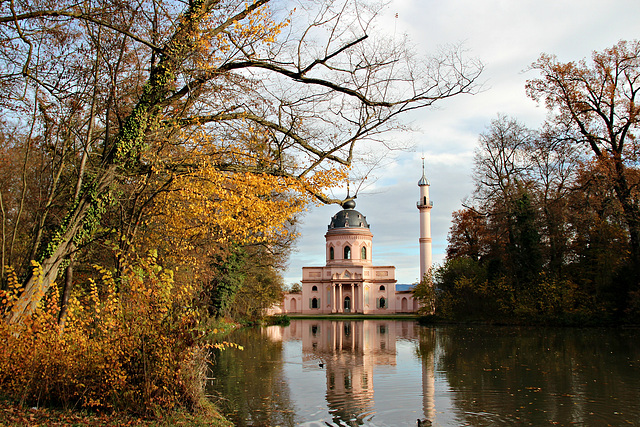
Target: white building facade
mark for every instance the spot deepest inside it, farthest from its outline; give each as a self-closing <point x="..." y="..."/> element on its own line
<point x="349" y="282"/>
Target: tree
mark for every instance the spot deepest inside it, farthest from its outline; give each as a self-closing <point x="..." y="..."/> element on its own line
<point x="555" y="173"/>
<point x="501" y="162"/>
<point x="523" y="181"/>
<point x="503" y="176"/>
<point x="296" y="288"/>
<point x="520" y="233"/>
<point x="468" y="236"/>
<point x="425" y="293"/>
<point x="598" y="103"/>
<point x="135" y="96"/>
<point x="263" y="286"/>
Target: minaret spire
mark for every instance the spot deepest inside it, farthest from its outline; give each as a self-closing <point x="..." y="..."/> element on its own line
<point x="424" y="206"/>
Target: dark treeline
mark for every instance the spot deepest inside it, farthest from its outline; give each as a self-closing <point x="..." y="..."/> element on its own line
<point x="551" y="231"/>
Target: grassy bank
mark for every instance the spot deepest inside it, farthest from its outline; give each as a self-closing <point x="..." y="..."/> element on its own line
<point x="354" y="316"/>
<point x="13" y="414"/>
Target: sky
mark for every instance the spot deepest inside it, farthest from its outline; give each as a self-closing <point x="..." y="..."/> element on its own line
<point x="507" y="36"/>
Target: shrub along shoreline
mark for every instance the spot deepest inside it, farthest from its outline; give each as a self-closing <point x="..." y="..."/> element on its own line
<point x="135" y="347"/>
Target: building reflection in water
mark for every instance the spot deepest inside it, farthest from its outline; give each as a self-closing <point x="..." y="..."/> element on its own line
<point x="348" y="351"/>
<point x="382" y="372"/>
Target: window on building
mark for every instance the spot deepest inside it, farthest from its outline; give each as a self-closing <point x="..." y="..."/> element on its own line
<point x="383" y="303"/>
<point x="382" y="288"/>
<point x="314" y="288"/>
<point x="347" y="252"/>
<point x="331" y="254"/>
<point x="314" y="303"/>
<point x="363" y="253"/>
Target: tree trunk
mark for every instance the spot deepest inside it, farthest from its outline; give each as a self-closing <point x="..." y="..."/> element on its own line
<point x="61" y="245"/>
<point x="66" y="292"/>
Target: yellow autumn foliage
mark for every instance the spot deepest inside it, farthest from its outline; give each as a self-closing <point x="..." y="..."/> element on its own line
<point x="128" y="344"/>
<point x="209" y="208"/>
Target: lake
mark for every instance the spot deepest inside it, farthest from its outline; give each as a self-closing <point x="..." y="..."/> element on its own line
<point x="393" y="372"/>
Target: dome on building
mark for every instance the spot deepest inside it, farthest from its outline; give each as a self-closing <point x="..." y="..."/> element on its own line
<point x="348" y="217"/>
<point x="423" y="181"/>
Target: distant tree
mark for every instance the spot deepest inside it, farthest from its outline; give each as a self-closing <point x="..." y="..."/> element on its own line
<point x="295" y="288"/>
<point x="468" y="236"/>
<point x="263" y="286"/>
<point x="462" y="290"/>
<point x="524" y="248"/>
<point x="501" y="161"/>
<point x="425" y="293"/>
<point x="598" y="104"/>
<point x="227" y="280"/>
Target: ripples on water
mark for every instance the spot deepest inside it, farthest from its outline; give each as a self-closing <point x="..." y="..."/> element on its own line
<point x="390" y="373"/>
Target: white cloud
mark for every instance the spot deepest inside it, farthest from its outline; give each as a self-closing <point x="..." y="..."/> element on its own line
<point x="507" y="36"/>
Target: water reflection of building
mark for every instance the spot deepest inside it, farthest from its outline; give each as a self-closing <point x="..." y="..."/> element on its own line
<point x="348" y="351"/>
<point x="427" y="349"/>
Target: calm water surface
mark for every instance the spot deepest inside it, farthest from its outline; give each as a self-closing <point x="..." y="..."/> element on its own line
<point x="390" y="373"/>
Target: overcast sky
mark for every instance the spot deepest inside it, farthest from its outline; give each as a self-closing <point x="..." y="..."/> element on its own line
<point x="507" y="36"/>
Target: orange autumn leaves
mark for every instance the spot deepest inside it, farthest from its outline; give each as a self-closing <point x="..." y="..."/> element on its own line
<point x="241" y="207"/>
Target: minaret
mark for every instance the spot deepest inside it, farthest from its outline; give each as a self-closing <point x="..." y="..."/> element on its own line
<point x="424" y="205"/>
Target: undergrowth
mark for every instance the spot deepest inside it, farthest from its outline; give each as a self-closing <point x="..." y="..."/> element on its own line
<point x="133" y="344"/>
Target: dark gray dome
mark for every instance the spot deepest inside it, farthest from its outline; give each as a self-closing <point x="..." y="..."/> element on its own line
<point x="348" y="218"/>
<point x="349" y="204"/>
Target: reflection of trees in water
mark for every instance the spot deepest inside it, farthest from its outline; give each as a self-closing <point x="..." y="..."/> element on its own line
<point x="252" y="382"/>
<point x="537" y="376"/>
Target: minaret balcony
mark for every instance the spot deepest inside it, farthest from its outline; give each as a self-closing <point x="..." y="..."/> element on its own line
<point x="428" y="203"/>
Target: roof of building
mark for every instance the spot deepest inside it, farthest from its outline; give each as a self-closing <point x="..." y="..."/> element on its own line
<point x="423" y="181"/>
<point x="348" y="217"/>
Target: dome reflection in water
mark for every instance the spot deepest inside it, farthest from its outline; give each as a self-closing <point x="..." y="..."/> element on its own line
<point x="391" y="373"/>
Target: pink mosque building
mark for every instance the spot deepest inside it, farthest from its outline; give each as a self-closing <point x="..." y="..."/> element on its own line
<point x="349" y="282"/>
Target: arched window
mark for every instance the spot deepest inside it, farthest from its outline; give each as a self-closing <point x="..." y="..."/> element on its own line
<point x="314" y="303"/>
<point x="314" y="288"/>
<point x="425" y="201"/>
<point x="363" y="253"/>
<point x="382" y="288"/>
<point x="383" y="303"/>
<point x="347" y="252"/>
<point x="331" y="254"/>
